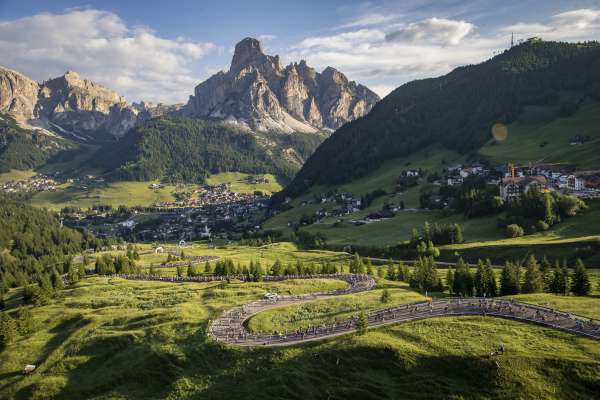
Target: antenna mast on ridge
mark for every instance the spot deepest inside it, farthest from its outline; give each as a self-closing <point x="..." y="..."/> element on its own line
<point x="512" y="39"/>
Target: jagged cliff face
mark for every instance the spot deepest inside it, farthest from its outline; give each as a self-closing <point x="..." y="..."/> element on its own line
<point x="257" y="91"/>
<point x="18" y="94"/>
<point x="69" y="105"/>
<point x="78" y="105"/>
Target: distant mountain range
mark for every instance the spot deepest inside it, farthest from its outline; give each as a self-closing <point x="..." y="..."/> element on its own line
<point x="256" y="92"/>
<point x="535" y="80"/>
<point x="257" y="95"/>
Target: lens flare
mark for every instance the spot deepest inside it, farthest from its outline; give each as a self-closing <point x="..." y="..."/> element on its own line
<point x="499" y="132"/>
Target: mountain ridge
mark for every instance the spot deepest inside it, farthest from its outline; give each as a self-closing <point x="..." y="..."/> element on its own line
<point x="275" y="98"/>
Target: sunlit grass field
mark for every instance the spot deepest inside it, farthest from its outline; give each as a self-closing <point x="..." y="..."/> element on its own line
<point x="115" y="339"/>
<point x="549" y="141"/>
<point x="131" y="194"/>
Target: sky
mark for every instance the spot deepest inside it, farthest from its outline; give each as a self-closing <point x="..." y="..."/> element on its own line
<point x="160" y="50"/>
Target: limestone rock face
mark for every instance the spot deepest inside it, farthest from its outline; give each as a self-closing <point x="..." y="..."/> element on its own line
<point x="18" y="94"/>
<point x="258" y="92"/>
<point x="80" y="105"/>
<point x="70" y="105"/>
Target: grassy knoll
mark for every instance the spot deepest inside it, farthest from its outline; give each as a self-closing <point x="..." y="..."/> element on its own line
<point x="115" y="339"/>
<point x="240" y="184"/>
<point x="16" y="175"/>
<point x="549" y="141"/>
<point x="588" y="306"/>
<point x="285" y="252"/>
<point x="115" y="194"/>
<point x="130" y="333"/>
<point x="131" y="193"/>
<point x="268" y="254"/>
<point x="398" y="229"/>
<point x="329" y="310"/>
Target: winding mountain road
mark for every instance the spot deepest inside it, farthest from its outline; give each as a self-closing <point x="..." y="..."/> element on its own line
<point x="230" y="327"/>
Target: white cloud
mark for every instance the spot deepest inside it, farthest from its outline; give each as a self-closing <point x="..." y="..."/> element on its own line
<point x="582" y="24"/>
<point x="435" y="30"/>
<point x="386" y="55"/>
<point x="99" y="45"/>
<point x="579" y="19"/>
<point x="369" y="20"/>
<point x="266" y="37"/>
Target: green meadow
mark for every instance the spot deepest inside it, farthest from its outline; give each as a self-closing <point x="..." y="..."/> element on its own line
<point x="548" y="141"/>
<point x="114" y="339"/>
<point x="131" y="194"/>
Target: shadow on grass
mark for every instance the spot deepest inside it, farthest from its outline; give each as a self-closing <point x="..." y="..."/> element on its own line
<point x="62" y="332"/>
<point x="191" y="367"/>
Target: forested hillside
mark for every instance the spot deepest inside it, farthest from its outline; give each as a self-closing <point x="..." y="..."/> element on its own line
<point x="184" y="149"/>
<point x="34" y="248"/>
<point x="457" y="110"/>
<point x="25" y="149"/>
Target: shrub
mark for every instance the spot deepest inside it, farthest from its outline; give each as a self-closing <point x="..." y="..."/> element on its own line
<point x="542" y="226"/>
<point x="514" y="230"/>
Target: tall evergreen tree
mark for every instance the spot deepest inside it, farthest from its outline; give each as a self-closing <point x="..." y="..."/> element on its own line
<point x="510" y="281"/>
<point x="534" y="281"/>
<point x="581" y="281"/>
<point x="560" y="281"/>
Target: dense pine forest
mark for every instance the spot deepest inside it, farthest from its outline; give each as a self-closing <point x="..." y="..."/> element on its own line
<point x="184" y="149"/>
<point x="457" y="110"/>
<point x="24" y="149"/>
<point x="36" y="249"/>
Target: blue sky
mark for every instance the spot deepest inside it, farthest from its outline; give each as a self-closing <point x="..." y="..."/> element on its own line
<point x="158" y="50"/>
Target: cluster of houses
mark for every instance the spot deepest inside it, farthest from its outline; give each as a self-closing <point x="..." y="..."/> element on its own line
<point x="521" y="179"/>
<point x="514" y="180"/>
<point x="37" y="183"/>
<point x="208" y="222"/>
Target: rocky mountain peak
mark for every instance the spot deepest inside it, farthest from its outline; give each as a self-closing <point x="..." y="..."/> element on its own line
<point x="18" y="94"/>
<point x="258" y="93"/>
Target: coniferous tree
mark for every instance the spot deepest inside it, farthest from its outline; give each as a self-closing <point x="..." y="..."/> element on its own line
<point x="510" y="281"/>
<point x="534" y="281"/>
<point x="362" y="324"/>
<point x="546" y="270"/>
<point x="385" y="296"/>
<point x="25" y="321"/>
<point x="276" y="268"/>
<point x="369" y="268"/>
<point x="581" y="282"/>
<point x="450" y="279"/>
<point x="8" y="329"/>
<point x="391" y="273"/>
<point x="463" y="279"/>
<point x="425" y="277"/>
<point x="560" y="281"/>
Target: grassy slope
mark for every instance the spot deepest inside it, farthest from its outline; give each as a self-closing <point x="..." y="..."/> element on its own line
<point x="16" y="175"/>
<point x="240" y="185"/>
<point x="524" y="139"/>
<point x="115" y="194"/>
<point x="286" y="253"/>
<point x="329" y="310"/>
<point x="385" y="177"/>
<point x="109" y="338"/>
<point x="522" y="145"/>
<point x="138" y="193"/>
